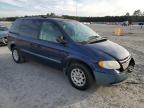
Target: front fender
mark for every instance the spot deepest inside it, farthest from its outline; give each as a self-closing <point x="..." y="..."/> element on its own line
<point x="84" y="60"/>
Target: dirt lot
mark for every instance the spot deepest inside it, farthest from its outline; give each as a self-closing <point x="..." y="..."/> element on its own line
<point x="35" y="85"/>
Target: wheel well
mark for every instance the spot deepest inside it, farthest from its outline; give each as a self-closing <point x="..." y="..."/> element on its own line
<point x="80" y="62"/>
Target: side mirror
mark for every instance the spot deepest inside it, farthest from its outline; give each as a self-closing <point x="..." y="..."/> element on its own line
<point x="60" y="39"/>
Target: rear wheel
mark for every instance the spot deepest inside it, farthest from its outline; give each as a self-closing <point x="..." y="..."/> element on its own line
<point x="80" y="76"/>
<point x="17" y="57"/>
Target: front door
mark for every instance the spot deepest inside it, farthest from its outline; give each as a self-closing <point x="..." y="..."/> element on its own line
<point x="50" y="49"/>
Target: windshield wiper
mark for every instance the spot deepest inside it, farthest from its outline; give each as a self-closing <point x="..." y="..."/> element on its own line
<point x="94" y="40"/>
<point x="83" y="42"/>
<point x="93" y="37"/>
<point x="89" y="40"/>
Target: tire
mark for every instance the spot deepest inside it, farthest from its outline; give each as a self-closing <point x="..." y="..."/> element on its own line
<point x="84" y="79"/>
<point x="17" y="57"/>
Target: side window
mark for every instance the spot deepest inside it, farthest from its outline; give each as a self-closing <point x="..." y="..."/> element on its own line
<point x="49" y="32"/>
<point x="30" y="28"/>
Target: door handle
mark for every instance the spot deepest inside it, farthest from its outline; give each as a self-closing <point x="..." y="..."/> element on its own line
<point x="35" y="45"/>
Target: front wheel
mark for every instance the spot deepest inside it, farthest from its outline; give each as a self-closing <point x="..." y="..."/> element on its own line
<point x="17" y="57"/>
<point x="80" y="76"/>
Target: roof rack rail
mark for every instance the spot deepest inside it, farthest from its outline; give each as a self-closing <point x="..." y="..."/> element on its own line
<point x="40" y="16"/>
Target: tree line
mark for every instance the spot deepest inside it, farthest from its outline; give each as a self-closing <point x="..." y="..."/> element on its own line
<point x="137" y="16"/>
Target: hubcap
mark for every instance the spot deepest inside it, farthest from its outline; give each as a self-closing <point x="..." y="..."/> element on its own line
<point x="15" y="55"/>
<point x="78" y="77"/>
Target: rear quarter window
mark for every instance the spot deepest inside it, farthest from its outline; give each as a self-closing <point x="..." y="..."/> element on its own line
<point x="30" y="28"/>
<point x="15" y="26"/>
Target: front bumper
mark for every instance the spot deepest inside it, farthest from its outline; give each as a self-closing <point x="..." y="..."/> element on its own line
<point x="1" y="41"/>
<point x="108" y="79"/>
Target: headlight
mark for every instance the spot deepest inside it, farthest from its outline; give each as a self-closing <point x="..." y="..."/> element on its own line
<point x="109" y="64"/>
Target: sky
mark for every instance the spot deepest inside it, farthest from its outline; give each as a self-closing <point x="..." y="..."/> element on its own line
<point x="10" y="8"/>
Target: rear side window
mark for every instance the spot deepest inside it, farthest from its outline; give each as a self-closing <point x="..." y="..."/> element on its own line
<point x="29" y="28"/>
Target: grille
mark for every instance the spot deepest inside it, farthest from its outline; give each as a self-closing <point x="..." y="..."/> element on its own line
<point x="125" y="63"/>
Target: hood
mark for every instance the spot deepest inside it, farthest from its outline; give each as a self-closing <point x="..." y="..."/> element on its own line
<point x="110" y="48"/>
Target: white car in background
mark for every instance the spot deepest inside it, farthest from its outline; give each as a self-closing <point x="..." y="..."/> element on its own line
<point x="3" y="35"/>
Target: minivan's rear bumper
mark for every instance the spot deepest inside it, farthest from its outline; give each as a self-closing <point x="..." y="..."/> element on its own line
<point x="108" y="79"/>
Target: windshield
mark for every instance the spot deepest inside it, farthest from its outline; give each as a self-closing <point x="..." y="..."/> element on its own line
<point x="78" y="32"/>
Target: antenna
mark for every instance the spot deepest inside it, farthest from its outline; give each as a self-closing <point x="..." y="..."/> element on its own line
<point x="63" y="8"/>
<point x="76" y="7"/>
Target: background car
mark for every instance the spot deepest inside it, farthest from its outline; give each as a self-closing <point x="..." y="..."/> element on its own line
<point x="141" y="23"/>
<point x="3" y="35"/>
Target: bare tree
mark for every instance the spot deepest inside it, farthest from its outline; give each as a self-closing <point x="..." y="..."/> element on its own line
<point x="137" y="13"/>
<point x="51" y="14"/>
<point x="143" y="14"/>
<point x="127" y="14"/>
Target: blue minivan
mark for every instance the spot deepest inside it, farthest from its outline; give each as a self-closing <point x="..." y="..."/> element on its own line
<point x="83" y="55"/>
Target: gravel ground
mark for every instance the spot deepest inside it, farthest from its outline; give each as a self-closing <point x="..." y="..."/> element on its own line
<point x="35" y="85"/>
